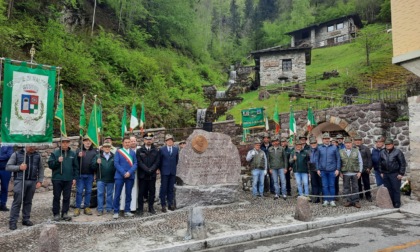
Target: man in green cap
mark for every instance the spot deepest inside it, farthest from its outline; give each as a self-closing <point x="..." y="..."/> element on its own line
<point x="316" y="182"/>
<point x="258" y="162"/>
<point x="367" y="166"/>
<point x="277" y="161"/>
<point x="392" y="166"/>
<point x="288" y="151"/>
<point x="351" y="169"/>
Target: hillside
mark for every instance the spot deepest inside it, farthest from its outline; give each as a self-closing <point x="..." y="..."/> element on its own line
<point x="350" y="61"/>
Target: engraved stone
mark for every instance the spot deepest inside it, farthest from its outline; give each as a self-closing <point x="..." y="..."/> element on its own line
<point x="303" y="209"/>
<point x="49" y="240"/>
<point x="211" y="177"/>
<point x="199" y="144"/>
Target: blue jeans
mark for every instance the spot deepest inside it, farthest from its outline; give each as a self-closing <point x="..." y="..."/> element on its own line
<point x="302" y="179"/>
<point x="257" y="176"/>
<point x="4" y="180"/>
<point x="275" y="173"/>
<point x="378" y="178"/>
<point x="328" y="184"/>
<point x="119" y="183"/>
<point x="84" y="182"/>
<point x="109" y="187"/>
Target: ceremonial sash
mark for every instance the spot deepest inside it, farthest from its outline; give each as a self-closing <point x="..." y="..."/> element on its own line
<point x="126" y="156"/>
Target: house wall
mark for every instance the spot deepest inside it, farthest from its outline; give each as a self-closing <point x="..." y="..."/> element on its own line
<point x="271" y="67"/>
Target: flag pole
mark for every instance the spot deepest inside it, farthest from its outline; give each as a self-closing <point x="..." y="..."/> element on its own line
<point x="23" y="176"/>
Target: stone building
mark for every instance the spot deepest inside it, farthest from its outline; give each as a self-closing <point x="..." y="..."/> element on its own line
<point x="406" y="52"/>
<point x="279" y="65"/>
<point x="328" y="33"/>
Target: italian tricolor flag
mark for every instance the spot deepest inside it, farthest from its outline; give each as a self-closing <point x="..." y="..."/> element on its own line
<point x="134" y="121"/>
<point x="142" y="117"/>
<point x="311" y="120"/>
<point x="292" y="125"/>
<point x="276" y="119"/>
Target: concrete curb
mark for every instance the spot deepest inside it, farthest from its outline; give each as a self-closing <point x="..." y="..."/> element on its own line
<point x="270" y="232"/>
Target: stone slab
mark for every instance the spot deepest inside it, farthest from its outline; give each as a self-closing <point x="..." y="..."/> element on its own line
<point x="218" y="164"/>
<point x="206" y="195"/>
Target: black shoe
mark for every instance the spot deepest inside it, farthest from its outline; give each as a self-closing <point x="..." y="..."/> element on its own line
<point x="164" y="209"/>
<point x="152" y="210"/>
<point x="3" y="208"/>
<point x="289" y="194"/>
<point x="12" y="226"/>
<point x="172" y="208"/>
<point x="27" y="223"/>
<point x="139" y="212"/>
<point x="369" y="198"/>
<point x="65" y="217"/>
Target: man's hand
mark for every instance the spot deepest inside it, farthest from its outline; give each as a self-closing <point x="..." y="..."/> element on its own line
<point x="285" y="170"/>
<point x="382" y="175"/>
<point x="81" y="154"/>
<point x="99" y="161"/>
<point x="38" y="185"/>
<point x="319" y="172"/>
<point x="157" y="172"/>
<point x="265" y="172"/>
<point x="368" y="171"/>
<point x="358" y="175"/>
<point x="399" y="177"/>
<point x="270" y="171"/>
<point x="74" y="182"/>
<point x="23" y="167"/>
<point x="60" y="159"/>
<point x="337" y="172"/>
<point x="127" y="175"/>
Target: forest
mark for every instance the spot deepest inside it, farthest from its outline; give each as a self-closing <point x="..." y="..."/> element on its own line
<point x="159" y="52"/>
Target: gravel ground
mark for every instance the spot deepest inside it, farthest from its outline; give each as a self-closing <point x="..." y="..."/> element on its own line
<point x="102" y="233"/>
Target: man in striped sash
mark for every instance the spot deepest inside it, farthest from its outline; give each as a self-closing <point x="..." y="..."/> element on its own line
<point x="125" y="163"/>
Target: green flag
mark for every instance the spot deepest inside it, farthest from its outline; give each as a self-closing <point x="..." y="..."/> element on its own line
<point x="142" y="117"/>
<point x="28" y="104"/>
<point x="276" y="119"/>
<point x="82" y="121"/>
<point x="93" y="128"/>
<point x="59" y="113"/>
<point x="124" y="123"/>
<point x="292" y="125"/>
<point x="134" y="121"/>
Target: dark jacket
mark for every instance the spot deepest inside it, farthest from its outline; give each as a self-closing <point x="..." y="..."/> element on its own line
<point x="5" y="153"/>
<point x="313" y="157"/>
<point x="328" y="158"/>
<point x="376" y="156"/>
<point x="106" y="171"/>
<point x="366" y="157"/>
<point x="299" y="165"/>
<point x="392" y="162"/>
<point x="69" y="169"/>
<point x="34" y="170"/>
<point x="288" y="152"/>
<point x="265" y="148"/>
<point x="277" y="158"/>
<point x="86" y="164"/>
<point x="168" y="162"/>
<point x="148" y="162"/>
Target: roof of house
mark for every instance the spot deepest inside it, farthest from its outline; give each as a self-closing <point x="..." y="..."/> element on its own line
<point x="356" y="18"/>
<point x="280" y="49"/>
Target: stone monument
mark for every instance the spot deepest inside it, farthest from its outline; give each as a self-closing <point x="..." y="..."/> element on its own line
<point x="209" y="170"/>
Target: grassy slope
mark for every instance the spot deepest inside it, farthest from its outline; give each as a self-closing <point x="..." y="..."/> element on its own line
<point x="350" y="61"/>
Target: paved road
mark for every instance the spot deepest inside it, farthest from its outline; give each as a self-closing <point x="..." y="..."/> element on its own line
<point x="394" y="232"/>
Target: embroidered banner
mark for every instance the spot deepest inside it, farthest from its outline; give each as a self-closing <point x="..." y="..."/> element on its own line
<point x="28" y="104"/>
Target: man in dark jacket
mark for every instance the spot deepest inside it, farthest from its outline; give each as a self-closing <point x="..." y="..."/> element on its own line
<point x="28" y="175"/>
<point x="65" y="168"/>
<point x="392" y="166"/>
<point x="316" y="182"/>
<point x="148" y="160"/>
<point x="376" y="155"/>
<point x="288" y="151"/>
<point x="105" y="172"/>
<point x="5" y="153"/>
<point x="268" y="180"/>
<point x="367" y="165"/>
<point x="299" y="160"/>
<point x="84" y="181"/>
<point x="169" y="156"/>
<point x="278" y="165"/>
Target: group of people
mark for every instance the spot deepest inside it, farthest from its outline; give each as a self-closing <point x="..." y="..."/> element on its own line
<point x="323" y="164"/>
<point x="119" y="173"/>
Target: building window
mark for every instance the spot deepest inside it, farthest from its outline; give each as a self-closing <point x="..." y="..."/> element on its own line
<point x="330" y="28"/>
<point x="340" y="26"/>
<point x="286" y="65"/>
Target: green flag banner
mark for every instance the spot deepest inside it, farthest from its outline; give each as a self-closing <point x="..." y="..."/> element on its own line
<point x="311" y="119"/>
<point x="276" y="119"/>
<point x="82" y="120"/>
<point x="59" y="113"/>
<point x="93" y="128"/>
<point x="28" y="104"/>
<point x="124" y="123"/>
<point x="292" y="125"/>
<point x="142" y="117"/>
<point x="253" y="118"/>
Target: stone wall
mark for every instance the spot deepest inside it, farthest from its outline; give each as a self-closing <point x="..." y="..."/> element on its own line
<point x="414" y="137"/>
<point x="271" y="67"/>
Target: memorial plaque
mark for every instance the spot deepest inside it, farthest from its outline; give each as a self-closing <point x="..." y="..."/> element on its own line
<point x="210" y="170"/>
<point x="217" y="164"/>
